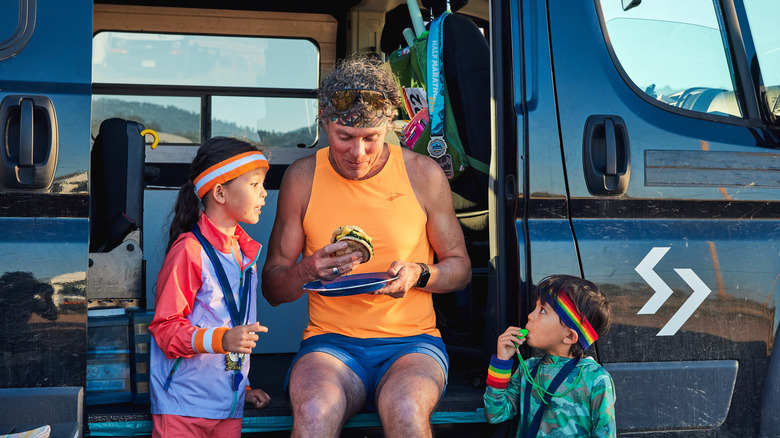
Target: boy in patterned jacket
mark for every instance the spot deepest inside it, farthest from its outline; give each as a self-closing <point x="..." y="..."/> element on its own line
<point x="564" y="393"/>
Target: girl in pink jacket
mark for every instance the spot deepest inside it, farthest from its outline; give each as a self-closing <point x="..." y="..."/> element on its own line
<point x="205" y="320"/>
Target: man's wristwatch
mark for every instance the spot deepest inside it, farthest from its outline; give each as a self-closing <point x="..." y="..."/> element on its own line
<point x="424" y="276"/>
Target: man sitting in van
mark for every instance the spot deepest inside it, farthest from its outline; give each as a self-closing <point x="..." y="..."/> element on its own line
<point x="376" y="345"/>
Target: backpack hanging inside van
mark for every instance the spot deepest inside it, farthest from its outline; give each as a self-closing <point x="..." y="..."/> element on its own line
<point x="409" y="65"/>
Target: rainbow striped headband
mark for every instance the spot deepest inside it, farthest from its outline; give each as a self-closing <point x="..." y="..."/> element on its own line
<point x="226" y="170"/>
<point x="573" y="319"/>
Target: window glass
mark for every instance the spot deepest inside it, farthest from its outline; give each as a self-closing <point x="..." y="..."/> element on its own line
<point x="674" y="50"/>
<point x="274" y="122"/>
<point x="175" y="119"/>
<point x="137" y="76"/>
<point x="763" y="16"/>
<point x="220" y="61"/>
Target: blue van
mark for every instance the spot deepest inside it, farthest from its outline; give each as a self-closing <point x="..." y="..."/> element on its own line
<point x="633" y="143"/>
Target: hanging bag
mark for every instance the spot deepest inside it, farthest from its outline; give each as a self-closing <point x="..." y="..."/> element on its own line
<point x="410" y="67"/>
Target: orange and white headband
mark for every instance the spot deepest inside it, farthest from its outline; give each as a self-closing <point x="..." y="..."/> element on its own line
<point x="226" y="170"/>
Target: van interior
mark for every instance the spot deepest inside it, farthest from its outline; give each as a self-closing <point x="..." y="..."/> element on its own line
<point x="251" y="69"/>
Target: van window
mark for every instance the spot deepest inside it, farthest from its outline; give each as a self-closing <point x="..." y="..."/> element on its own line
<point x="763" y="16"/>
<point x="175" y="119"/>
<point x="192" y="87"/>
<point x="675" y="52"/>
<point x="216" y="61"/>
<point x="298" y="127"/>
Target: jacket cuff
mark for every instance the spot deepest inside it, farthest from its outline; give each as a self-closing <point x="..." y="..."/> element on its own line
<point x="208" y="340"/>
<point x="499" y="372"/>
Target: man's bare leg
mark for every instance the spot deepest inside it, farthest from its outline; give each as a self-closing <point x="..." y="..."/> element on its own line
<point x="408" y="394"/>
<point x="324" y="393"/>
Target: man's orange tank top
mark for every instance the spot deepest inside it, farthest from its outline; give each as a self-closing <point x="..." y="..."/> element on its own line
<point x="385" y="207"/>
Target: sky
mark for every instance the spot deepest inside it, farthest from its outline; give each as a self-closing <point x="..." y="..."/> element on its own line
<point x="685" y="34"/>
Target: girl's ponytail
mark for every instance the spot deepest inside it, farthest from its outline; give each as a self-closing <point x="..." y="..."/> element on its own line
<point x="185" y="214"/>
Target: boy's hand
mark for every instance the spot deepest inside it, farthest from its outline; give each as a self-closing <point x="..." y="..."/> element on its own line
<point x="241" y="339"/>
<point x="508" y="342"/>
<point x="257" y="397"/>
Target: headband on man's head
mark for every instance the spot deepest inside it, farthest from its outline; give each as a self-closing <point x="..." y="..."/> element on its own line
<point x="573" y="319"/>
<point x="374" y="110"/>
<point x="355" y="119"/>
<point x="226" y="170"/>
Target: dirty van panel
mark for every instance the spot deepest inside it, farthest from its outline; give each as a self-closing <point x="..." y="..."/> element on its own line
<point x="44" y="204"/>
<point x="551" y="242"/>
<point x="674" y="200"/>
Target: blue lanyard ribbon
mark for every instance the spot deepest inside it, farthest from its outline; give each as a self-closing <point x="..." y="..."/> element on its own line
<point x="435" y="75"/>
<point x="238" y="317"/>
<point x="533" y="429"/>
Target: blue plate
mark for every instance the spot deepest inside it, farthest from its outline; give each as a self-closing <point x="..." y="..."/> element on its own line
<point x="350" y="284"/>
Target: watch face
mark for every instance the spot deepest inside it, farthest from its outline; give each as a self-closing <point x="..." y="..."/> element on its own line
<point x="424" y="276"/>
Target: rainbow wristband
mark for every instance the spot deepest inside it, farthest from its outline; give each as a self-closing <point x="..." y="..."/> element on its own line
<point x="499" y="372"/>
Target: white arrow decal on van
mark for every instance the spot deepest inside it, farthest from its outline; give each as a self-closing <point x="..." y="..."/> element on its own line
<point x="663" y="291"/>
<point x="645" y="270"/>
<point x="700" y="292"/>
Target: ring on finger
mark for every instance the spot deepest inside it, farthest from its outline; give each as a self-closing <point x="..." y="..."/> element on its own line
<point x="336" y="270"/>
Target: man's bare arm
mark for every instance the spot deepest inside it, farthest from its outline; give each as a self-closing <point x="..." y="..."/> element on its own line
<point x="452" y="272"/>
<point x="282" y="278"/>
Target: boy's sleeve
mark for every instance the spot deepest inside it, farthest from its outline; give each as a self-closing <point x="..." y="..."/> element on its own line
<point x="501" y="394"/>
<point x="602" y="406"/>
<point x="177" y="284"/>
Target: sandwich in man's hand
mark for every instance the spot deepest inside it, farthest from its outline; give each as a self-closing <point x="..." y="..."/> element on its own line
<point x="357" y="240"/>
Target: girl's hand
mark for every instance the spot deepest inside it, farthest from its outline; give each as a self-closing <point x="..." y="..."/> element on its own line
<point x="257" y="397"/>
<point x="508" y="343"/>
<point x="242" y="339"/>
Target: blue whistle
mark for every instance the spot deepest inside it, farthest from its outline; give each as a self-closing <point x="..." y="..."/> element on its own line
<point x="237" y="379"/>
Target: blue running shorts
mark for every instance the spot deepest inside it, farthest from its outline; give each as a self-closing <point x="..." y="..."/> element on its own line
<point x="371" y="358"/>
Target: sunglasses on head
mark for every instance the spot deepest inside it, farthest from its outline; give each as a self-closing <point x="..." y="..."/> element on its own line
<point x="343" y="100"/>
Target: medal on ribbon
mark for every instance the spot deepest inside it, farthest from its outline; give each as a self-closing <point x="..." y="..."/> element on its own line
<point x="437" y="147"/>
<point x="233" y="362"/>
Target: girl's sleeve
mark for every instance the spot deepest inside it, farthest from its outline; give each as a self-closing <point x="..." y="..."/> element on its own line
<point x="501" y="393"/>
<point x="602" y="406"/>
<point x="177" y="284"/>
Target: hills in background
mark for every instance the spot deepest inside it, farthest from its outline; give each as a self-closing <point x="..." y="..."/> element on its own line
<point x="178" y="126"/>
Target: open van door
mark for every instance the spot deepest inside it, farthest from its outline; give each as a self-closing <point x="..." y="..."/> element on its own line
<point x="667" y="195"/>
<point x="44" y="199"/>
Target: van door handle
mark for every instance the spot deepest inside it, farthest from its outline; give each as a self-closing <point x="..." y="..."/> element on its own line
<point x="610" y="149"/>
<point x="28" y="141"/>
<point x="26" y="134"/>
<point x="606" y="155"/>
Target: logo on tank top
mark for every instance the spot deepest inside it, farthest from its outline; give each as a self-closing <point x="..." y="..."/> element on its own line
<point x="394" y="195"/>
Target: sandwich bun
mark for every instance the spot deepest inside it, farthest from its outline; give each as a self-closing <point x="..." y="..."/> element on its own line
<point x="357" y="240"/>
